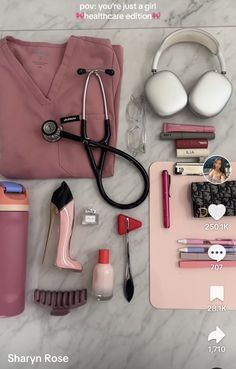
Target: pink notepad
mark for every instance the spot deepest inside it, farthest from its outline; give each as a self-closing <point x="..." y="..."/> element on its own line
<point x="172" y="287"/>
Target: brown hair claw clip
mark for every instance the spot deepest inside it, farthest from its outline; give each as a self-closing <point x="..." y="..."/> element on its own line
<point x="60" y="302"/>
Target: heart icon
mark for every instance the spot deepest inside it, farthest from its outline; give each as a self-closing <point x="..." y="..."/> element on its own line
<point x="216" y="211"/>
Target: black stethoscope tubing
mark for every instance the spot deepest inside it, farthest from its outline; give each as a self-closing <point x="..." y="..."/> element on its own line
<point x="90" y="144"/>
<point x="98" y="169"/>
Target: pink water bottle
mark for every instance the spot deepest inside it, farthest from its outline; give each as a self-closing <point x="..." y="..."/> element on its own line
<point x="14" y="210"/>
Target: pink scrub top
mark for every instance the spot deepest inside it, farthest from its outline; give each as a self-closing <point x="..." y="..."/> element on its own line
<point x="39" y="82"/>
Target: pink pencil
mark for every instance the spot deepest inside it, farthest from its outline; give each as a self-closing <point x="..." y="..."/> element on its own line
<point x="194" y="241"/>
<point x="205" y="264"/>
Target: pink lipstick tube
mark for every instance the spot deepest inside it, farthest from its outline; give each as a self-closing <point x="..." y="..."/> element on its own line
<point x="172" y="127"/>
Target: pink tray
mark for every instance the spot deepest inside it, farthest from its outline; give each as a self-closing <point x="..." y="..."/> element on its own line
<point x="170" y="286"/>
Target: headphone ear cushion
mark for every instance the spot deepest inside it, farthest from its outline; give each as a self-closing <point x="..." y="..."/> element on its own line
<point x="210" y="94"/>
<point x="165" y="93"/>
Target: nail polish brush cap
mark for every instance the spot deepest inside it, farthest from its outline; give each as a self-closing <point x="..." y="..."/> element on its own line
<point x="104" y="256"/>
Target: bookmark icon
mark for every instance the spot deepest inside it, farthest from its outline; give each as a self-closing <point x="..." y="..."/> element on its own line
<point x="217" y="293"/>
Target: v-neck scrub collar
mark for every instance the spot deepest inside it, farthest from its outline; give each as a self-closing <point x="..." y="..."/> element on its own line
<point x="58" y="78"/>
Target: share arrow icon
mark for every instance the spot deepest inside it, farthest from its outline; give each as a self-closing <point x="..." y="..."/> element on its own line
<point x="216" y="335"/>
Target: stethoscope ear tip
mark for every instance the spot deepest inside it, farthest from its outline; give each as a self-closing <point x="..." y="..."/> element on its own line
<point x="81" y="71"/>
<point x="111" y="72"/>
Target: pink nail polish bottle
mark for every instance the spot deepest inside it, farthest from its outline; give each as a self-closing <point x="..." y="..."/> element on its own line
<point x="103" y="277"/>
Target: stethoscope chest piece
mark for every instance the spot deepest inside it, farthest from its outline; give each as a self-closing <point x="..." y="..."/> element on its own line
<point x="51" y="131"/>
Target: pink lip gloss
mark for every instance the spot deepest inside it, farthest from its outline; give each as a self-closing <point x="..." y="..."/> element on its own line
<point x="171" y="127"/>
<point x="103" y="277"/>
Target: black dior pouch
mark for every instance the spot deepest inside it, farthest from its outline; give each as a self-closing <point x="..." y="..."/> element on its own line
<point x="205" y="194"/>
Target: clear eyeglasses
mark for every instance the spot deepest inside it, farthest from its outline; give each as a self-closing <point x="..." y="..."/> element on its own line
<point x="136" y="115"/>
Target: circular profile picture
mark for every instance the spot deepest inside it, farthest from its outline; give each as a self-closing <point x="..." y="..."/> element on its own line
<point x="217" y="169"/>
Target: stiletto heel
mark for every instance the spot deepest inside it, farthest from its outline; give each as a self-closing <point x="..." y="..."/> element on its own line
<point x="62" y="203"/>
<point x="53" y="213"/>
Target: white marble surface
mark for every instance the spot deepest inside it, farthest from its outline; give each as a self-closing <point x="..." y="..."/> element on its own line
<point x="115" y="334"/>
<point x="43" y="14"/>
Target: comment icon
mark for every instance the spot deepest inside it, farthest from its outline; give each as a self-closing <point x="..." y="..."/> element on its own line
<point x="217" y="252"/>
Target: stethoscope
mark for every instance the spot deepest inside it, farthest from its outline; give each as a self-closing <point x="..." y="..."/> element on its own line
<point x="53" y="132"/>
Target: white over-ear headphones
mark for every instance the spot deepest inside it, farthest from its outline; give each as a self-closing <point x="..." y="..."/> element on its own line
<point x="166" y="93"/>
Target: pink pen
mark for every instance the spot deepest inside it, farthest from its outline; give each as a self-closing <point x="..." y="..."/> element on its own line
<point x="172" y="127"/>
<point x="166" y="198"/>
<point x="193" y="264"/>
